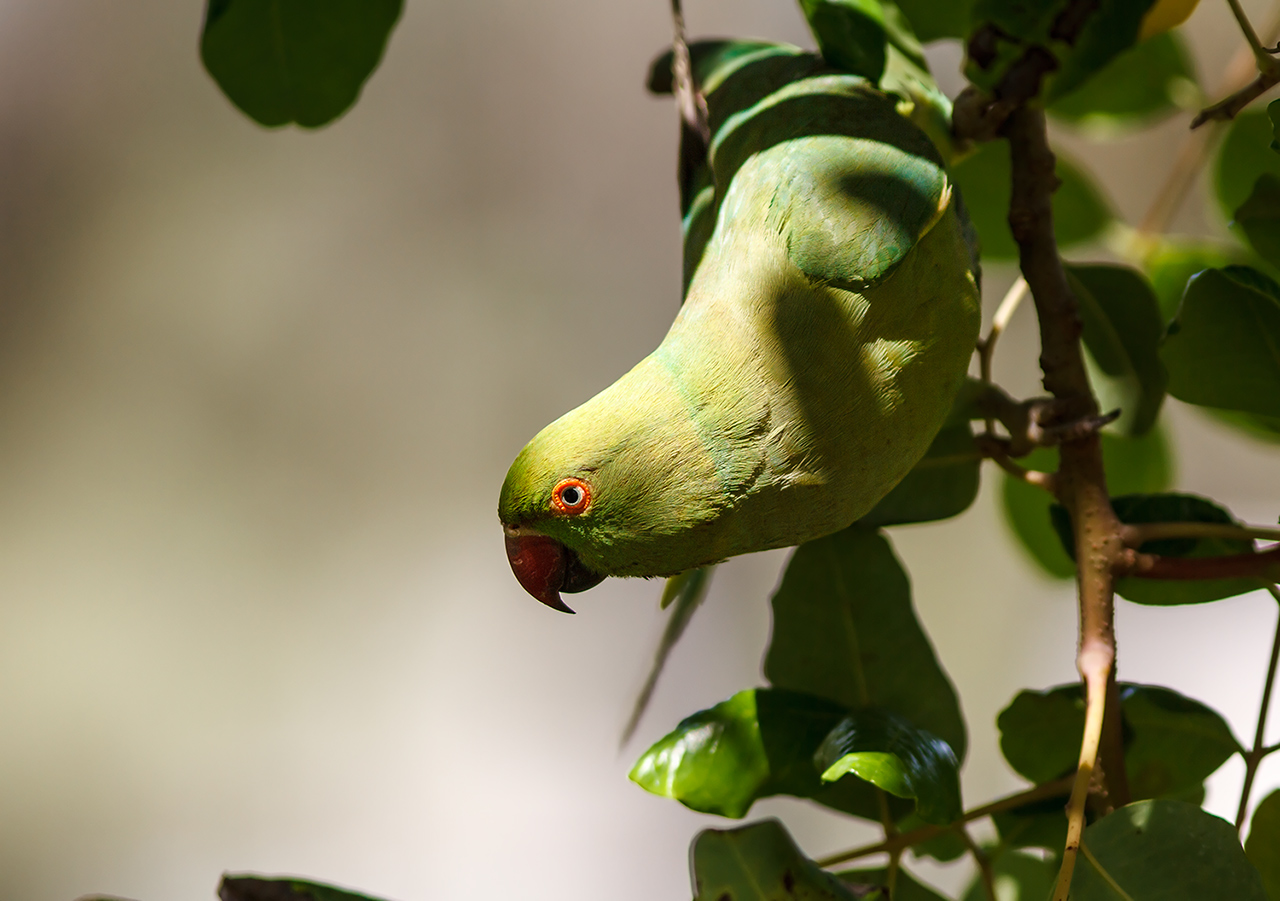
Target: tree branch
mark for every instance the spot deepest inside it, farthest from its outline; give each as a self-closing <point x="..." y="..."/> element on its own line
<point x="1265" y="565"/>
<point x="1138" y="533"/>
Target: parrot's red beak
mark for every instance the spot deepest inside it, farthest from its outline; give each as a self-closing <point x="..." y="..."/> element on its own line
<point x="544" y="567"/>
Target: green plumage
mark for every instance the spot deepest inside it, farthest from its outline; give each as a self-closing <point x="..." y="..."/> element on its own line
<point x="829" y="318"/>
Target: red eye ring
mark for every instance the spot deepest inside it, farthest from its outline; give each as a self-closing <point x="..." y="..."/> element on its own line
<point x="571" y="496"/>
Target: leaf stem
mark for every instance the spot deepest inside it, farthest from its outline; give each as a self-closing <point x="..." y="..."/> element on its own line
<point x="905" y="840"/>
<point x="1254" y="757"/>
<point x="1137" y="534"/>
<point x="999" y="322"/>
<point x="1095" y="668"/>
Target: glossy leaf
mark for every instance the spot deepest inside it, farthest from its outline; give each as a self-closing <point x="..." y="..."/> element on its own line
<point x="1079" y="211"/>
<point x="1259" y="217"/>
<point x="1143" y="83"/>
<point x="899" y="758"/>
<point x="1133" y="465"/>
<point x="1174" y="261"/>
<point x="905" y="887"/>
<point x="844" y="629"/>
<point x="1245" y="154"/>
<point x="257" y="888"/>
<point x="935" y="19"/>
<point x="758" y="862"/>
<point x="1122" y="333"/>
<point x="1164" y="849"/>
<point x="302" y="61"/>
<point x="760" y="742"/>
<point x="1263" y="845"/>
<point x="851" y="34"/>
<point x="1017" y="877"/>
<point x="1173" y="743"/>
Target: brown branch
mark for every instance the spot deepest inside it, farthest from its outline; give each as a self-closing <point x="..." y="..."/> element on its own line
<point x="1254" y="757"/>
<point x="695" y="128"/>
<point x="1138" y="533"/>
<point x="1265" y="565"/>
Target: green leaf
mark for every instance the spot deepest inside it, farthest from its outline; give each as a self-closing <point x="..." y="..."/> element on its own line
<point x="1017" y="877"/>
<point x="301" y="61"/>
<point x="1041" y="824"/>
<point x="905" y="887"/>
<point x="844" y="629"/>
<point x="1173" y="743"/>
<point x="1143" y="83"/>
<point x="1122" y="332"/>
<point x="900" y="758"/>
<point x="1263" y="845"/>
<point x="1174" y="261"/>
<point x="945" y="482"/>
<point x="935" y="19"/>
<point x="1259" y="217"/>
<point x="1079" y="211"/>
<point x="1245" y="154"/>
<point x="1133" y="465"/>
<point x="1259" y="428"/>
<point x="1163" y="850"/>
<point x="257" y="888"/>
<point x="1273" y="113"/>
<point x="850" y="34"/>
<point x="758" y="862"/>
<point x="758" y="743"/>
<point x="945" y="847"/>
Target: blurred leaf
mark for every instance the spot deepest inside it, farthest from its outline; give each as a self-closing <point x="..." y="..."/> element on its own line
<point x="1259" y="217"/>
<point x="758" y="743"/>
<point x="1007" y="32"/>
<point x="1259" y="428"/>
<point x="935" y="19"/>
<point x="1017" y="877"/>
<point x="1139" y="85"/>
<point x="1164" y="849"/>
<point x="1174" y="261"/>
<point x="850" y="34"/>
<point x="844" y="629"/>
<point x="896" y="756"/>
<point x="1079" y="211"/>
<point x="1273" y="113"/>
<point x="759" y="862"/>
<point x="1245" y="154"/>
<point x="945" y="847"/>
<point x="1133" y="465"/>
<point x="1041" y="824"/>
<point x="1223" y="349"/>
<point x="1172" y="743"/>
<point x="686" y="591"/>
<point x="301" y="61"/>
<point x="1122" y="332"/>
<point x="257" y="888"/>
<point x="943" y="484"/>
<point x="1263" y="846"/>
<point x="905" y="887"/>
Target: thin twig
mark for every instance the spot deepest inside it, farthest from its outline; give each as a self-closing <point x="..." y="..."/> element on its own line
<point x="1264" y="566"/>
<point x="923" y="833"/>
<point x="1138" y="533"/>
<point x="984" y="864"/>
<point x="1268" y="74"/>
<point x="999" y="322"/>
<point x="1095" y="673"/>
<point x="1254" y="757"/>
<point x="995" y="449"/>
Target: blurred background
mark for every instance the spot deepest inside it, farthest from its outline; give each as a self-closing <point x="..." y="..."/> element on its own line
<point x="258" y="391"/>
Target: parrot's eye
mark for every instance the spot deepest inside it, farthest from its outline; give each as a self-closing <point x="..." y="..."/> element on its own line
<point x="571" y="496"/>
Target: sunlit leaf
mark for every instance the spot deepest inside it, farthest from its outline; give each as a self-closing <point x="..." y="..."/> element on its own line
<point x="301" y="61"/>
<point x="899" y="758"/>
<point x="759" y="862"/>
<point x="1122" y="332"/>
<point x="1141" y="84"/>
<point x="1164" y="849"/>
<point x="1263" y="845"/>
<point x="844" y="629"/>
<point x="1017" y="877"/>
<point x="258" y="888"/>
<point x="1079" y="211"/>
<point x="1245" y="154"/>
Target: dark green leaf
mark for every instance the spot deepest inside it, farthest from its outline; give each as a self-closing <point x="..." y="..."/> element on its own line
<point x="899" y="758"/>
<point x="844" y="629"/>
<point x="1141" y="84"/>
<point x="1245" y="154"/>
<point x="1122" y="332"/>
<point x="945" y="847"/>
<point x="759" y="862"/>
<point x="711" y="61"/>
<point x="1018" y="877"/>
<point x="1273" y="113"/>
<point x="1042" y="824"/>
<point x="1079" y="211"/>
<point x="686" y="591"/>
<point x="1173" y="743"/>
<point x="1174" y="261"/>
<point x="850" y="34"/>
<point x="1164" y="850"/>
<point x="1132" y="464"/>
<point x="905" y="887"/>
<point x="256" y="888"/>
<point x="301" y="61"/>
<point x="934" y="19"/>
<point x="1259" y="428"/>
<point x="1263" y="846"/>
<point x="758" y="743"/>
<point x="1259" y="217"/>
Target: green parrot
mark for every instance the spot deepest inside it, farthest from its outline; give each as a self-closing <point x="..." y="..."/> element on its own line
<point x="830" y="312"/>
